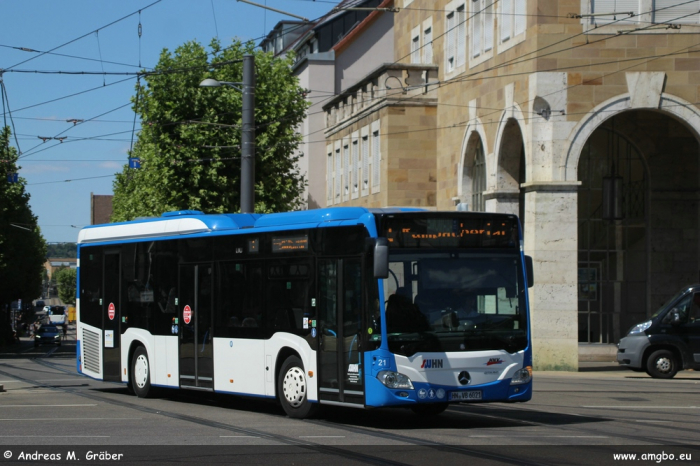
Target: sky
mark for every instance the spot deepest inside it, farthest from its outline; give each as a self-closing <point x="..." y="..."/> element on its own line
<point x="99" y="36"/>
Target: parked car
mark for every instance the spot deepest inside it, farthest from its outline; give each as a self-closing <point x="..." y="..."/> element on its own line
<point x="669" y="341"/>
<point x="48" y="334"/>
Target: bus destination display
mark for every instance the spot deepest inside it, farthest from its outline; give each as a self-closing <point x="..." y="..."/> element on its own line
<point x="290" y="243"/>
<point x="423" y="231"/>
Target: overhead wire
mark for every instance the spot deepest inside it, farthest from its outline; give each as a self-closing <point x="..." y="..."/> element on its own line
<point x="84" y="35"/>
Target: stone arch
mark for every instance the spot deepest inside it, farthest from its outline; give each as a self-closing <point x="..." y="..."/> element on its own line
<point x="675" y="107"/>
<point x="505" y="194"/>
<point x="474" y="132"/>
<point x="504" y="169"/>
<point x="633" y="256"/>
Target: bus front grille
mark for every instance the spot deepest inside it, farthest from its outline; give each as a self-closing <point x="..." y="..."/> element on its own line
<point x="91" y="351"/>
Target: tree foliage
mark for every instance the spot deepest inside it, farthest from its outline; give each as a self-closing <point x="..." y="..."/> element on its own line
<point x="66" y="281"/>
<point x="189" y="144"/>
<point x="62" y="250"/>
<point x="22" y="248"/>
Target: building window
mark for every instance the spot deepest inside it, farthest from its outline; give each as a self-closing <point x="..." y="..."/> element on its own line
<point x="482" y="27"/>
<point x="338" y="171"/>
<point x="428" y="45"/>
<point x="478" y="179"/>
<point x="364" y="155"/>
<point x="513" y="19"/>
<point x="346" y="172"/>
<point x="455" y="37"/>
<point x="676" y="11"/>
<point x="376" y="158"/>
<point x="599" y="7"/>
<point x="355" y="166"/>
<point x="329" y="176"/>
<point x="415" y="48"/>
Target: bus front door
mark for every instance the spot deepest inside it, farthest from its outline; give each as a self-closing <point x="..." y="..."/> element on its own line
<point x="340" y="322"/>
<point x="195" y="321"/>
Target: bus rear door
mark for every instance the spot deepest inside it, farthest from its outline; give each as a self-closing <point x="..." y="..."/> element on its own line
<point x="196" y="352"/>
<point x="111" y="312"/>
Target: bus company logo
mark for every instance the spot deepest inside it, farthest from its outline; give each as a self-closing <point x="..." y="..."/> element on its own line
<point x="493" y="361"/>
<point x="431" y="364"/>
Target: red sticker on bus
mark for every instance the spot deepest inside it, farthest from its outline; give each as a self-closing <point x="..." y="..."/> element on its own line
<point x="187" y="314"/>
<point x="110" y="311"/>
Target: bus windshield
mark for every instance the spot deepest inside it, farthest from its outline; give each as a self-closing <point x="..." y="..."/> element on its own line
<point x="455" y="301"/>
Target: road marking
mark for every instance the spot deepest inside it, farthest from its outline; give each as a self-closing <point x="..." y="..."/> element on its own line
<point x="54" y="436"/>
<point x="45" y="406"/>
<point x="76" y="419"/>
<point x="539" y="436"/>
<point x="45" y="380"/>
<point x="643" y="420"/>
<point x="238" y="436"/>
<point x="642" y="407"/>
<point x="321" y="436"/>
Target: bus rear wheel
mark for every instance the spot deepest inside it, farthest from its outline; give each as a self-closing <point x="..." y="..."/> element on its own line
<point x="292" y="388"/>
<point x="141" y="373"/>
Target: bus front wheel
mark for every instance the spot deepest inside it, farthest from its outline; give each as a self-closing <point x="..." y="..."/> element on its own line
<point x="141" y="373"/>
<point x="292" y="388"/>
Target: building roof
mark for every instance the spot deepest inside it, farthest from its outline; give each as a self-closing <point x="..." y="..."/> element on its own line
<point x="361" y="27"/>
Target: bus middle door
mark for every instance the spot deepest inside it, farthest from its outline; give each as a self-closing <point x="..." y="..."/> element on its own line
<point x="340" y="319"/>
<point x="196" y="325"/>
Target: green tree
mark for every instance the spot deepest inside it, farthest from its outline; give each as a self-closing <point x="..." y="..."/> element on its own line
<point x="66" y="280"/>
<point x="190" y="138"/>
<point x="22" y="248"/>
<point x="62" y="250"/>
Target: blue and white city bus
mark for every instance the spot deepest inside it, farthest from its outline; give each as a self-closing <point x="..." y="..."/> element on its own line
<point x="341" y="306"/>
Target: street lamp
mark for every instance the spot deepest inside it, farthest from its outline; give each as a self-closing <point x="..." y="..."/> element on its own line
<point x="248" y="130"/>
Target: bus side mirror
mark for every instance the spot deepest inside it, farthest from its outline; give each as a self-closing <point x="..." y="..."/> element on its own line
<point x="529" y="271"/>
<point x="381" y="257"/>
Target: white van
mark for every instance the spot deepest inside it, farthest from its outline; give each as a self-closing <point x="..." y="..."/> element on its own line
<point x="57" y="315"/>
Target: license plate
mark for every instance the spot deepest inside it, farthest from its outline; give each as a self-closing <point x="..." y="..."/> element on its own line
<point x="466" y="395"/>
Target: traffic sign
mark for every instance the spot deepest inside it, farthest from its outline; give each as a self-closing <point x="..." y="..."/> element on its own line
<point x="110" y="311"/>
<point x="187" y="314"/>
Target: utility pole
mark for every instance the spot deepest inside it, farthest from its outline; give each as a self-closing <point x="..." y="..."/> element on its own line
<point x="248" y="136"/>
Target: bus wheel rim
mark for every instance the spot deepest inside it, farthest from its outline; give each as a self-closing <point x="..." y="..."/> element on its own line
<point x="294" y="387"/>
<point x="141" y="371"/>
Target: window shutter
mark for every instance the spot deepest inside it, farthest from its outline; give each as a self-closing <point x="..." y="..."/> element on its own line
<point x="346" y="172"/>
<point x="615" y="6"/>
<point x="376" y="157"/>
<point x="488" y="27"/>
<point x="506" y="20"/>
<point x="415" y="50"/>
<point x="355" y="167"/>
<point x="476" y="28"/>
<point x="329" y="177"/>
<point x="461" y="36"/>
<point x="365" y="164"/>
<point x="428" y="45"/>
<point x="670" y="12"/>
<point x="338" y="167"/>
<point x="450" y="41"/>
<point x="520" y="16"/>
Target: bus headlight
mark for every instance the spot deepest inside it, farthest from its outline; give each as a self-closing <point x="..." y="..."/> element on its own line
<point x="395" y="380"/>
<point x="522" y="376"/>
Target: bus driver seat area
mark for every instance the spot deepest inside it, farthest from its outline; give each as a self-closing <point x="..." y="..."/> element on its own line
<point x="402" y="315"/>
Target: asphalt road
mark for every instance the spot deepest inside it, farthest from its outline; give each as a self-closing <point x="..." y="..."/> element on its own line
<point x="574" y="418"/>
